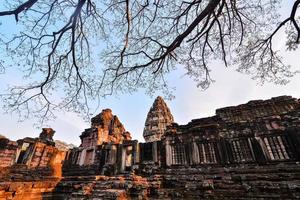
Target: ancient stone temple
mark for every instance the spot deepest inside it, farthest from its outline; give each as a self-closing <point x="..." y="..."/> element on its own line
<point x="249" y="151"/>
<point x="158" y="118"/>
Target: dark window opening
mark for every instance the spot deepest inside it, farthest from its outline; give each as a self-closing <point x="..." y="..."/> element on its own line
<point x="241" y="150"/>
<point x="147" y="152"/>
<point x="24" y="154"/>
<point x="207" y="153"/>
<point x="277" y="148"/>
<point x="178" y="154"/>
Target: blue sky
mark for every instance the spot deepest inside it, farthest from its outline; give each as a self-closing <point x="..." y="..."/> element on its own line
<point x="230" y="88"/>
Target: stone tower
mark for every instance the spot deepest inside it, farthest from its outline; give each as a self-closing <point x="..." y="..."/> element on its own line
<point x="105" y="128"/>
<point x="158" y="118"/>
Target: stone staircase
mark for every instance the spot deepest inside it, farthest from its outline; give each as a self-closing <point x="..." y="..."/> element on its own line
<point x="126" y="186"/>
<point x="73" y="187"/>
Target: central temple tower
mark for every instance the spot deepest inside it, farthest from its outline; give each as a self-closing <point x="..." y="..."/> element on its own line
<point x="158" y="118"/>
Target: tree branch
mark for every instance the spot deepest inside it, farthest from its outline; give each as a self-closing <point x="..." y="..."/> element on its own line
<point x="23" y="7"/>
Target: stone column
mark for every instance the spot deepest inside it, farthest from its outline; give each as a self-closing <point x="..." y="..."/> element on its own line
<point x="113" y="155"/>
<point x="154" y="152"/>
<point x="136" y="152"/>
<point x="123" y="159"/>
<point x="94" y="154"/>
<point x="77" y="161"/>
<point x="251" y="148"/>
<point x="195" y="154"/>
<point x="119" y="160"/>
<point x="159" y="151"/>
<point x="168" y="154"/>
<point x="204" y="153"/>
<point x="82" y="157"/>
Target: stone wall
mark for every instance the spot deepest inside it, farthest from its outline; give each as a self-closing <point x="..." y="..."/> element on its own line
<point x="258" y="137"/>
<point x="42" y="155"/>
<point x="188" y="150"/>
<point x="8" y="150"/>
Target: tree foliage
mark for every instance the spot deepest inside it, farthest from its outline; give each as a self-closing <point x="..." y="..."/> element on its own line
<point x="77" y="51"/>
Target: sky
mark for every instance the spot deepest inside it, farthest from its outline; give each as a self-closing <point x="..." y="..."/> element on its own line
<point x="231" y="88"/>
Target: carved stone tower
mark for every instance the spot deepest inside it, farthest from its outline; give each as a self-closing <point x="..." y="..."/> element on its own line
<point x="158" y="118"/>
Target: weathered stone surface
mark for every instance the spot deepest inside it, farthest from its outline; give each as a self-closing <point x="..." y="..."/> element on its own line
<point x="158" y="118"/>
<point x="8" y="150"/>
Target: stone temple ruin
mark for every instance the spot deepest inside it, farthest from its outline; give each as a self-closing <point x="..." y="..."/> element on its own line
<point x="249" y="151"/>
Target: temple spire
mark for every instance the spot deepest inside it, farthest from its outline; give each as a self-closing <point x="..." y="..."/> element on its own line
<point x="158" y="118"/>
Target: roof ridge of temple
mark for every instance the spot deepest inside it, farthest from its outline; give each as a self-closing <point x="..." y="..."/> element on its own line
<point x="255" y="102"/>
<point x="158" y="118"/>
<point x="251" y="110"/>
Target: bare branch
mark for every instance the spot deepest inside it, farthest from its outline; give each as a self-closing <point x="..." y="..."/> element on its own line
<point x="21" y="8"/>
